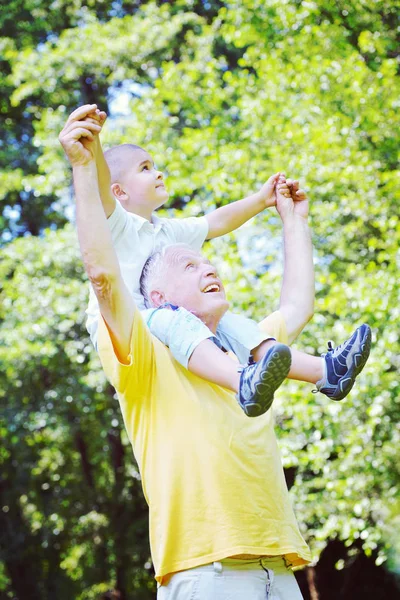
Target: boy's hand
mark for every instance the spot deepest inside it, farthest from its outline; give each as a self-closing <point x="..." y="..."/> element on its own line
<point x="267" y="192"/>
<point x="98" y="117"/>
<point x="78" y="134"/>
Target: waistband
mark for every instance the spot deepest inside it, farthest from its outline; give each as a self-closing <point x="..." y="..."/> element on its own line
<point x="275" y="563"/>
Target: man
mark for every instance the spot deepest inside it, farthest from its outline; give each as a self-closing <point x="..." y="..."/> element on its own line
<point x="221" y="524"/>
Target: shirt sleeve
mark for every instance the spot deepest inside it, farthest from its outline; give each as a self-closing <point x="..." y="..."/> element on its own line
<point x="137" y="371"/>
<point x="192" y="231"/>
<point x="275" y="326"/>
<point x="118" y="222"/>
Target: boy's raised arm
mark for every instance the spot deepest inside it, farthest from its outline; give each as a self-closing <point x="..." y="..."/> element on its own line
<point x="228" y="218"/>
<point x="103" y="172"/>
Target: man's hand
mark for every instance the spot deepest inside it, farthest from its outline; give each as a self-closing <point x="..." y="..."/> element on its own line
<point x="267" y="193"/>
<point x="290" y="200"/>
<point x="299" y="197"/>
<point x="78" y="135"/>
<point x="297" y="293"/>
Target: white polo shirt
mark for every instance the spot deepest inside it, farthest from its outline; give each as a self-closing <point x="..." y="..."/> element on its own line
<point x="135" y="239"/>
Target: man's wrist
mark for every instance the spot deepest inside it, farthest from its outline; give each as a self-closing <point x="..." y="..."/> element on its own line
<point x="88" y="167"/>
<point x="293" y="221"/>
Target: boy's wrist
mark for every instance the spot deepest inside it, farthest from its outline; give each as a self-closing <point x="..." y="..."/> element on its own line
<point x="259" y="200"/>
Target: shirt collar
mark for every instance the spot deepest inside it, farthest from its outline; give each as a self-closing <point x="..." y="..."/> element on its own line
<point x="141" y="222"/>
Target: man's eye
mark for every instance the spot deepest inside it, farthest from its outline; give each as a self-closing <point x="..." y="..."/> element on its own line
<point x="145" y="167"/>
<point x="189" y="266"/>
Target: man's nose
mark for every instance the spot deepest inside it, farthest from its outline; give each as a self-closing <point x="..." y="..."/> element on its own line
<point x="210" y="271"/>
<point x="160" y="175"/>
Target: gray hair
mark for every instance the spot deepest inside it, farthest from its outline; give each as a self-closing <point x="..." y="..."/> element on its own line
<point x="152" y="270"/>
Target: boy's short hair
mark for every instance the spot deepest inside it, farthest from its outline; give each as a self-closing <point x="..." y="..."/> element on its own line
<point x="117" y="159"/>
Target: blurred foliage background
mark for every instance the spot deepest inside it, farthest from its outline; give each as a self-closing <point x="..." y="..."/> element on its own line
<point x="222" y="94"/>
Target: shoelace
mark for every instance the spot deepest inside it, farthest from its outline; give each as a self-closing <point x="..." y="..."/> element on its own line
<point x="330" y="349"/>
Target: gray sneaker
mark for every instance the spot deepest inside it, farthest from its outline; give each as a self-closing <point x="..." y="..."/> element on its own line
<point x="260" y="380"/>
<point x="344" y="363"/>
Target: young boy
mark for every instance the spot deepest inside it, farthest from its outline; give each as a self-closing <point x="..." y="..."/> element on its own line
<point x="127" y="173"/>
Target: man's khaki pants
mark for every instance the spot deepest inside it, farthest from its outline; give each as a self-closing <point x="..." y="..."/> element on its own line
<point x="260" y="579"/>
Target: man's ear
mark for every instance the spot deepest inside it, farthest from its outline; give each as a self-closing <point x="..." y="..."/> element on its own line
<point x="157" y="298"/>
<point x="119" y="192"/>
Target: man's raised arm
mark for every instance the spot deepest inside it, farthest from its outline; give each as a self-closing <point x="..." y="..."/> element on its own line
<point x="99" y="257"/>
<point x="298" y="288"/>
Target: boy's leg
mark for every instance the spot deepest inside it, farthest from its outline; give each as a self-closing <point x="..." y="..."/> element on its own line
<point x="254" y="384"/>
<point x="335" y="372"/>
<point x="304" y="367"/>
<point x="213" y="364"/>
<point x="193" y="345"/>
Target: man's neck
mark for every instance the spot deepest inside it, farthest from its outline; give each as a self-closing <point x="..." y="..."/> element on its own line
<point x="212" y="321"/>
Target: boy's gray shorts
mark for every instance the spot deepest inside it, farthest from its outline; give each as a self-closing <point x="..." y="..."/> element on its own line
<point x="182" y="332"/>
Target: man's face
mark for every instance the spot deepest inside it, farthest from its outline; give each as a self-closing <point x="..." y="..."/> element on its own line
<point x="142" y="183"/>
<point x="190" y="280"/>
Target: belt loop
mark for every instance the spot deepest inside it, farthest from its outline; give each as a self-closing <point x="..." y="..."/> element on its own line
<point x="217" y="567"/>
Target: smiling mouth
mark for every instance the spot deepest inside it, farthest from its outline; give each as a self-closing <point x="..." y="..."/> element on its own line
<point x="213" y="287"/>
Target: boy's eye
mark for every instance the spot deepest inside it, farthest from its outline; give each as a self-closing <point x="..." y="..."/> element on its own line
<point x="189" y="266"/>
<point x="145" y="167"/>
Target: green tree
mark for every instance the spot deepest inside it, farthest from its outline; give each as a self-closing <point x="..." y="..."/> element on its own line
<point x="222" y="95"/>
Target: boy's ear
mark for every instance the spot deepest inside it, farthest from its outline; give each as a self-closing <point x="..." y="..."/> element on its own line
<point x="119" y="192"/>
<point x="157" y="298"/>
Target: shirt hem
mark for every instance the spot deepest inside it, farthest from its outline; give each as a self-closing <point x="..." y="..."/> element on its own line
<point x="302" y="559"/>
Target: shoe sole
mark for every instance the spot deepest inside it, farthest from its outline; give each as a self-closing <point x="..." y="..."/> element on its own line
<point x="359" y="360"/>
<point x="276" y="370"/>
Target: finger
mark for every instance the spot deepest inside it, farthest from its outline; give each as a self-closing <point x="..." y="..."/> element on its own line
<point x="93" y="120"/>
<point x="80" y="112"/>
<point x="92" y="117"/>
<point x="102" y="115"/>
<point x="92" y="124"/>
<point x="88" y="135"/>
<point x="282" y="187"/>
<point x="95" y="127"/>
<point x="87" y="123"/>
<point x="273" y="179"/>
<point x="295" y="185"/>
<point x="77" y="133"/>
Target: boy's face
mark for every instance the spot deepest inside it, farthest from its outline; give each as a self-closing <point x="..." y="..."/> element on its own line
<point x="141" y="186"/>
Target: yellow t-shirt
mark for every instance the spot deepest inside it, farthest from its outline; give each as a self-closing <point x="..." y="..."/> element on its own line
<point x="212" y="477"/>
